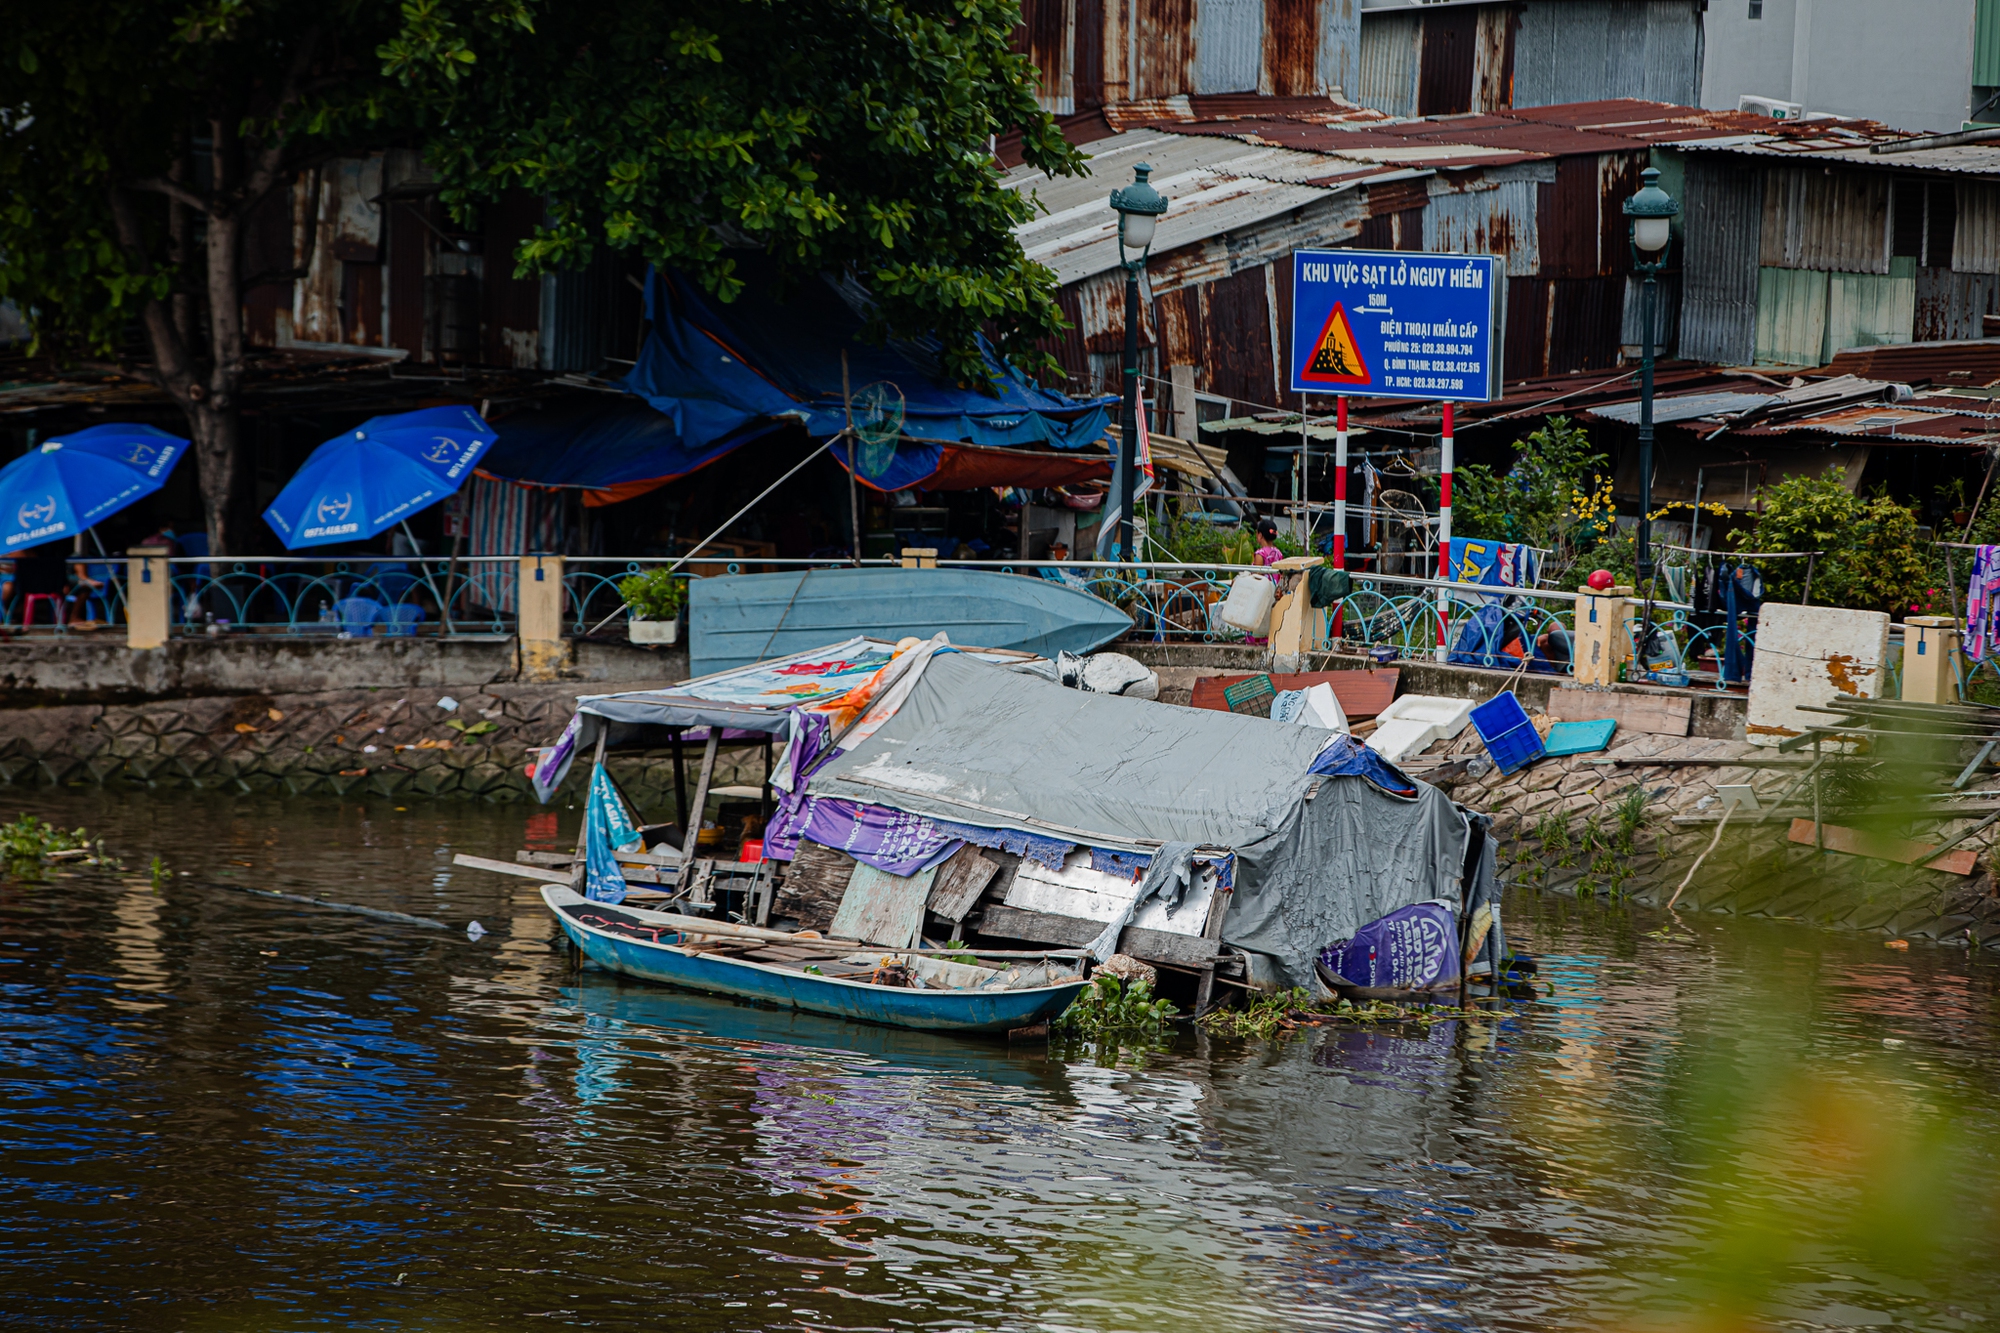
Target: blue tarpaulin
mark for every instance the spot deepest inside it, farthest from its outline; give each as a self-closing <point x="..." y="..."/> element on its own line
<point x="713" y="377"/>
<point x="715" y="369"/>
<point x="615" y="445"/>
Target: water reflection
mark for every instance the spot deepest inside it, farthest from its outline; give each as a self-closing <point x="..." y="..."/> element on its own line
<point x="219" y="1111"/>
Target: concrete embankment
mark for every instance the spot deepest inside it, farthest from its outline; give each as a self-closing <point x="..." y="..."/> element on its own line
<point x="100" y="669"/>
<point x="1628" y="820"/>
<point x="389" y="741"/>
<point x="1632" y="819"/>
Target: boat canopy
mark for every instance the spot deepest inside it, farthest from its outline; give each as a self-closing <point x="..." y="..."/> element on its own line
<point x="1315" y="837"/>
<point x="1317" y="856"/>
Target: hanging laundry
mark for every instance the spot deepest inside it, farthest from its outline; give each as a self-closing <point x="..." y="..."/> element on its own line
<point x="1982" y="603"/>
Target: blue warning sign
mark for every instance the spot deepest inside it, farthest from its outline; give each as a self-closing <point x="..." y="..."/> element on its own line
<point x="1393" y="324"/>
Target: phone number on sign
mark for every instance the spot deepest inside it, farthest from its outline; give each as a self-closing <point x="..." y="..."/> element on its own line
<point x="1425" y="382"/>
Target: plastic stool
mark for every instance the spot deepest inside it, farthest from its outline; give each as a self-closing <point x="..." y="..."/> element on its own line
<point x="55" y="601"/>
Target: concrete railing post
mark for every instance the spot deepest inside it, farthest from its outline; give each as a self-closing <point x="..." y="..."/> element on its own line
<point x="1601" y="642"/>
<point x="148" y="597"/>
<point x="1930" y="654"/>
<point x="544" y="650"/>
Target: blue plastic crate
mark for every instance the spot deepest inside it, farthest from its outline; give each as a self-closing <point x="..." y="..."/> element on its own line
<point x="1510" y="737"/>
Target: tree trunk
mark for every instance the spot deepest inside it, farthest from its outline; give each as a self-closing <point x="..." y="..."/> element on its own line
<point x="216" y="450"/>
<point x="216" y="415"/>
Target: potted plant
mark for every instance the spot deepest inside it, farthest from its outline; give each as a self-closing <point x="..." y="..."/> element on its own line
<point x="655" y="598"/>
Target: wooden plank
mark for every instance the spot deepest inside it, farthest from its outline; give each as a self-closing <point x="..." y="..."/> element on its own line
<point x="1655" y="714"/>
<point x="815" y="882"/>
<point x="1362" y="694"/>
<point x="1858" y="842"/>
<point x="1154" y="946"/>
<point x="960" y="881"/>
<point x="511" y="868"/>
<point x="700" y="796"/>
<point x="880" y="908"/>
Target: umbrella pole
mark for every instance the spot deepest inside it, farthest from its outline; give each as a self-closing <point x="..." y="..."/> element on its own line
<point x="451" y="573"/>
<point x="443" y="611"/>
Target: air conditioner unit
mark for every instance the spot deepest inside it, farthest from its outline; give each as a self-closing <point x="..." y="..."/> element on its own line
<point x="1770" y="106"/>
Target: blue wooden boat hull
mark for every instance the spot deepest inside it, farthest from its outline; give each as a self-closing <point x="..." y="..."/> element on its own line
<point x="929" y="1010"/>
<point x="734" y="620"/>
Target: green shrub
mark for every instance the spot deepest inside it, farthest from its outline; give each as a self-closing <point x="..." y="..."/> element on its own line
<point x="1870" y="559"/>
<point x="655" y="594"/>
<point x="1556" y="495"/>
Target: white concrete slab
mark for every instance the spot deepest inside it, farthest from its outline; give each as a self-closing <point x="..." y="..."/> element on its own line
<point x="1808" y="655"/>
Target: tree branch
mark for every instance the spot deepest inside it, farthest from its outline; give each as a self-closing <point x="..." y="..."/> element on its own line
<point x="173" y="190"/>
<point x="270" y="159"/>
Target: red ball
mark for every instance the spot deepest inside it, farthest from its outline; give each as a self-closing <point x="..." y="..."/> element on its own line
<point x="1601" y="580"/>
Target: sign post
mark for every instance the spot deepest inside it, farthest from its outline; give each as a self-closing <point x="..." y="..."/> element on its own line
<point x="1395" y="324"/>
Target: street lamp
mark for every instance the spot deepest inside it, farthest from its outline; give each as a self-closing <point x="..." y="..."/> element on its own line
<point x="1652" y="211"/>
<point x="1138" y="206"/>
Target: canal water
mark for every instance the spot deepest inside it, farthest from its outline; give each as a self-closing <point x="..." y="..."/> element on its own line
<point x="218" y="1112"/>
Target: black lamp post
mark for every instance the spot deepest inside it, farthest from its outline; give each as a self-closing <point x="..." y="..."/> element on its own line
<point x="1652" y="211"/>
<point x="1139" y="206"/>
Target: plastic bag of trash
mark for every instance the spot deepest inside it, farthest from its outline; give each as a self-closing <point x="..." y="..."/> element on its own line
<point x="1412" y="948"/>
<point x="1107" y="673"/>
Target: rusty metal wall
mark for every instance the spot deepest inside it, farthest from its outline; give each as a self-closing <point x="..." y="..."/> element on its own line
<point x="1388" y="73"/>
<point x="1339" y="46"/>
<point x="1568" y="228"/>
<point x="1526" y="340"/>
<point x="1791" y="316"/>
<point x="1834" y="221"/>
<point x="1087" y="55"/>
<point x="1950" y="305"/>
<point x="1229" y="37"/>
<point x="407" y="244"/>
<point x="1500" y="216"/>
<point x="349" y="231"/>
<point x="1666" y="314"/>
<point x="1290" y="47"/>
<point x="1869" y="309"/>
<point x="1975" y="244"/>
<point x="1166" y="47"/>
<point x="513" y="306"/>
<point x="1046" y="36"/>
<point x="1724" y="210"/>
<point x="1493" y="58"/>
<point x="1591" y="50"/>
<point x="1446" y="55"/>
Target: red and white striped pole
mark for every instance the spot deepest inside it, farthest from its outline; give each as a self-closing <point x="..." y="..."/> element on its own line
<point x="1339" y="498"/>
<point x="1340" y="482"/>
<point x="1444" y="528"/>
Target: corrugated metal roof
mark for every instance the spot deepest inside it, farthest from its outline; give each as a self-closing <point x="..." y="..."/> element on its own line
<point x="1216" y="185"/>
<point x="1687" y="407"/>
<point x="1970" y="363"/>
<point x="1925" y="421"/>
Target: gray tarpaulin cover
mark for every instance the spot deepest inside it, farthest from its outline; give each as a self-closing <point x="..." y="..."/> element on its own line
<point x="979" y="744"/>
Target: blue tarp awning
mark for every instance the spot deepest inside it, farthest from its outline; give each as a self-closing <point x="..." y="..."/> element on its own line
<point x="611" y="447"/>
<point x="714" y="368"/>
<point x="711" y="378"/>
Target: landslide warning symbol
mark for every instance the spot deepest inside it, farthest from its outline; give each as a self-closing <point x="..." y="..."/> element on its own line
<point x="1336" y="360"/>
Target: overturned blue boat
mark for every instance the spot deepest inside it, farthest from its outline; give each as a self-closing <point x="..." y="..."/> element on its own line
<point x="739" y="619"/>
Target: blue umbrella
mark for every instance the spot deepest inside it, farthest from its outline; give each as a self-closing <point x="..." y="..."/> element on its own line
<point x="368" y="480"/>
<point x="65" y="485"/>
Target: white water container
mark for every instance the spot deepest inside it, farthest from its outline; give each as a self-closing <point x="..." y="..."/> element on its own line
<point x="1248" y="606"/>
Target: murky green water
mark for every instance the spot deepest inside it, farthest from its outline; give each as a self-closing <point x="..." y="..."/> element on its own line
<point x="221" y="1113"/>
